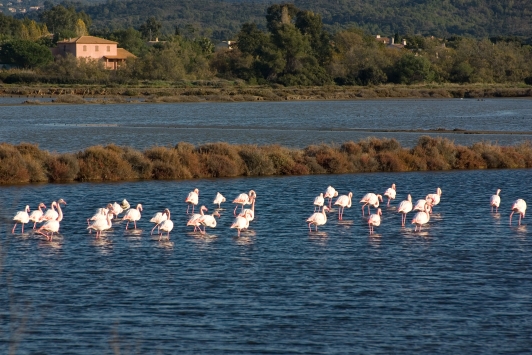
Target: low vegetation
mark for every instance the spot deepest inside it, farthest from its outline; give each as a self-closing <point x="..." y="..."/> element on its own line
<point x="26" y="163"/>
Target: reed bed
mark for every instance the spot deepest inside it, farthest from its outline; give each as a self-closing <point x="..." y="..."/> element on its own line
<point x="26" y="163"/>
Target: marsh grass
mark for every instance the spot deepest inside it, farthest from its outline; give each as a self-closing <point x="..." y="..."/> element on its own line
<point x="25" y="163"/>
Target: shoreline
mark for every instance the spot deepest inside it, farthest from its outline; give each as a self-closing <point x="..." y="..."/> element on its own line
<point x="231" y="92"/>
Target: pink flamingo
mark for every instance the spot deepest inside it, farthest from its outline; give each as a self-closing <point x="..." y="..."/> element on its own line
<point x="370" y="199"/>
<point x="36" y="215"/>
<point x="101" y="224"/>
<point x="209" y="220"/>
<point x="244" y="199"/>
<point x="330" y="193"/>
<point x="435" y="198"/>
<point x="318" y="202"/>
<point x="518" y="206"/>
<point x="374" y="220"/>
<point x="318" y="218"/>
<point x="133" y="215"/>
<point x="343" y="201"/>
<point x="167" y="225"/>
<point x="158" y="218"/>
<point x="21" y="217"/>
<point x="390" y="193"/>
<point x="251" y="210"/>
<point x="52" y="214"/>
<point x="52" y="225"/>
<point x="405" y="207"/>
<point x="219" y="199"/>
<point x="495" y="201"/>
<point x="195" y="219"/>
<point x="192" y="199"/>
<point x="241" y="222"/>
<point x="421" y="218"/>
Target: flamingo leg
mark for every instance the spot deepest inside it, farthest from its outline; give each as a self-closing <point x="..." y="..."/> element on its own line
<point x="135" y="223"/>
<point x="363" y="209"/>
<point x="388" y="204"/>
<point x="13" y="231"/>
<point x="511" y="214"/>
<point x="127" y="224"/>
<point x="234" y="212"/>
<point x="519" y="219"/>
<point x="22" y="228"/>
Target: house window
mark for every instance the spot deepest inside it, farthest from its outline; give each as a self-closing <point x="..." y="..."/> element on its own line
<point x="84" y="48"/>
<point x="96" y="48"/>
<point x="108" y="48"/>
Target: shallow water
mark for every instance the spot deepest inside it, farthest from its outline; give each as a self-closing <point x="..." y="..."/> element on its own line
<point x="293" y="124"/>
<point x="462" y="285"/>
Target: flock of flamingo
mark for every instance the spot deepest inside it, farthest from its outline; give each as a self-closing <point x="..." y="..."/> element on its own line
<point x="103" y="219"/>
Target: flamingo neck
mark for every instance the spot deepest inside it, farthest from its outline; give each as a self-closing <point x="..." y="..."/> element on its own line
<point x="59" y="212"/>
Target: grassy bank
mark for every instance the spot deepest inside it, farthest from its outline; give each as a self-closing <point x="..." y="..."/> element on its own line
<point x="26" y="163"/>
<point x="225" y="91"/>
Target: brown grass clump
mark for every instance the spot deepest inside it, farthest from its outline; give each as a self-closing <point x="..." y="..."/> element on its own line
<point x="12" y="166"/>
<point x="256" y="162"/>
<point x="141" y="165"/>
<point x="104" y="164"/>
<point x="64" y="167"/>
<point x="439" y="153"/>
<point x="166" y="164"/>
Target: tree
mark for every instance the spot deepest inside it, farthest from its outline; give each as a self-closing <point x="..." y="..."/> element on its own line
<point x="26" y="54"/>
<point x="64" y="21"/>
<point x="131" y="40"/>
<point x="412" y="69"/>
<point x="150" y="29"/>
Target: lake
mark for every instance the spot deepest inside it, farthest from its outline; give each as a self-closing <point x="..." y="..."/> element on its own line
<point x="298" y="124"/>
<point x="463" y="285"/>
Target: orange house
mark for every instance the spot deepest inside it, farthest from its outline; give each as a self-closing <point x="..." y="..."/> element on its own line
<point x="95" y="48"/>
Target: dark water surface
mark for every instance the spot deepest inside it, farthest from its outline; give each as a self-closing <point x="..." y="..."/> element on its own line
<point x="294" y="124"/>
<point x="461" y="286"/>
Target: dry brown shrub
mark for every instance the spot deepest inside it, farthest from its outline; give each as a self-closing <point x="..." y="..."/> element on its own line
<point x="468" y="159"/>
<point x="99" y="163"/>
<point x="439" y="153"/>
<point x="32" y="150"/>
<point x="391" y="162"/>
<point x="365" y="163"/>
<point x="217" y="165"/>
<point x="351" y="148"/>
<point x="374" y="145"/>
<point x="313" y="166"/>
<point x="223" y="149"/>
<point x="256" y="162"/>
<point x="525" y="149"/>
<point x="334" y="162"/>
<point x="512" y="158"/>
<point x="69" y="99"/>
<point x="64" y="167"/>
<point x="491" y="154"/>
<point x="281" y="158"/>
<point x="35" y="169"/>
<point x="184" y="147"/>
<point x="12" y="166"/>
<point x="139" y="163"/>
<point x="167" y="164"/>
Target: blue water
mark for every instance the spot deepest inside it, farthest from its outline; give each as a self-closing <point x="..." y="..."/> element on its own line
<point x="293" y="124"/>
<point x="463" y="285"/>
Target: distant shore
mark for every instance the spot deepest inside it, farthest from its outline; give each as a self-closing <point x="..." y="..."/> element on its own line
<point x="221" y="91"/>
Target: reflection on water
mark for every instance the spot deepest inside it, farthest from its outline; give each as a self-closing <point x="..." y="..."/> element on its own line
<point x="293" y="291"/>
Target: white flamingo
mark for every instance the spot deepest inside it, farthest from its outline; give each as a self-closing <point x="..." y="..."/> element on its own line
<point x="495" y="201"/>
<point x="244" y="199"/>
<point x="251" y="210"/>
<point x="192" y="199"/>
<point x="318" y="202"/>
<point x="158" y="218"/>
<point x="518" y="206"/>
<point x="390" y="193"/>
<point x="435" y="198"/>
<point x="52" y="225"/>
<point x="52" y="214"/>
<point x="208" y="220"/>
<point x="330" y="193"/>
<point x="421" y="218"/>
<point x="101" y="224"/>
<point x="21" y="217"/>
<point x="421" y="204"/>
<point x="116" y="209"/>
<point x="374" y="220"/>
<point x="318" y="218"/>
<point x="194" y="220"/>
<point x="404" y="207"/>
<point x="36" y="215"/>
<point x="166" y="225"/>
<point x="101" y="214"/>
<point x="343" y="201"/>
<point x="132" y="215"/>
<point x="241" y="222"/>
<point x="219" y="199"/>
<point x="370" y="199"/>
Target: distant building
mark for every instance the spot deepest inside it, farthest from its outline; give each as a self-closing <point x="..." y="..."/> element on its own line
<point x="225" y="45"/>
<point x="389" y="42"/>
<point x="151" y="43"/>
<point x="94" y="48"/>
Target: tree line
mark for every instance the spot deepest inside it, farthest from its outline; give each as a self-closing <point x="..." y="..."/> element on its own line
<point x="294" y="48"/>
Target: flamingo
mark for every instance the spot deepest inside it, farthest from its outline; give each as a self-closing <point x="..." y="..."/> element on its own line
<point x="370" y="199"/>
<point x="390" y="193"/>
<point x="194" y="220"/>
<point x="343" y="201"/>
<point x="21" y="217"/>
<point x="192" y="199"/>
<point x="435" y="198"/>
<point x="219" y="199"/>
<point x="125" y="205"/>
<point x="319" y="201"/>
<point x="241" y="222"/>
<point x="420" y="204"/>
<point x="133" y="215"/>
<point x="101" y="214"/>
<point x="101" y="224"/>
<point x="158" y="218"/>
<point x="167" y="225"/>
<point x="405" y="207"/>
<point x="421" y="218"/>
<point x="116" y="209"/>
<point x="374" y="220"/>
<point x="330" y="193"/>
<point x="251" y="210"/>
<point x="518" y="206"/>
<point x="318" y="218"/>
<point x="36" y="215"/>
<point x="208" y="220"/>
<point x="495" y="201"/>
<point x="52" y="214"/>
<point x="52" y="225"/>
<point x="244" y="199"/>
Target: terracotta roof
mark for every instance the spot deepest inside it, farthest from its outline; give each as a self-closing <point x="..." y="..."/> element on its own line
<point x="121" y="53"/>
<point x="88" y="40"/>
